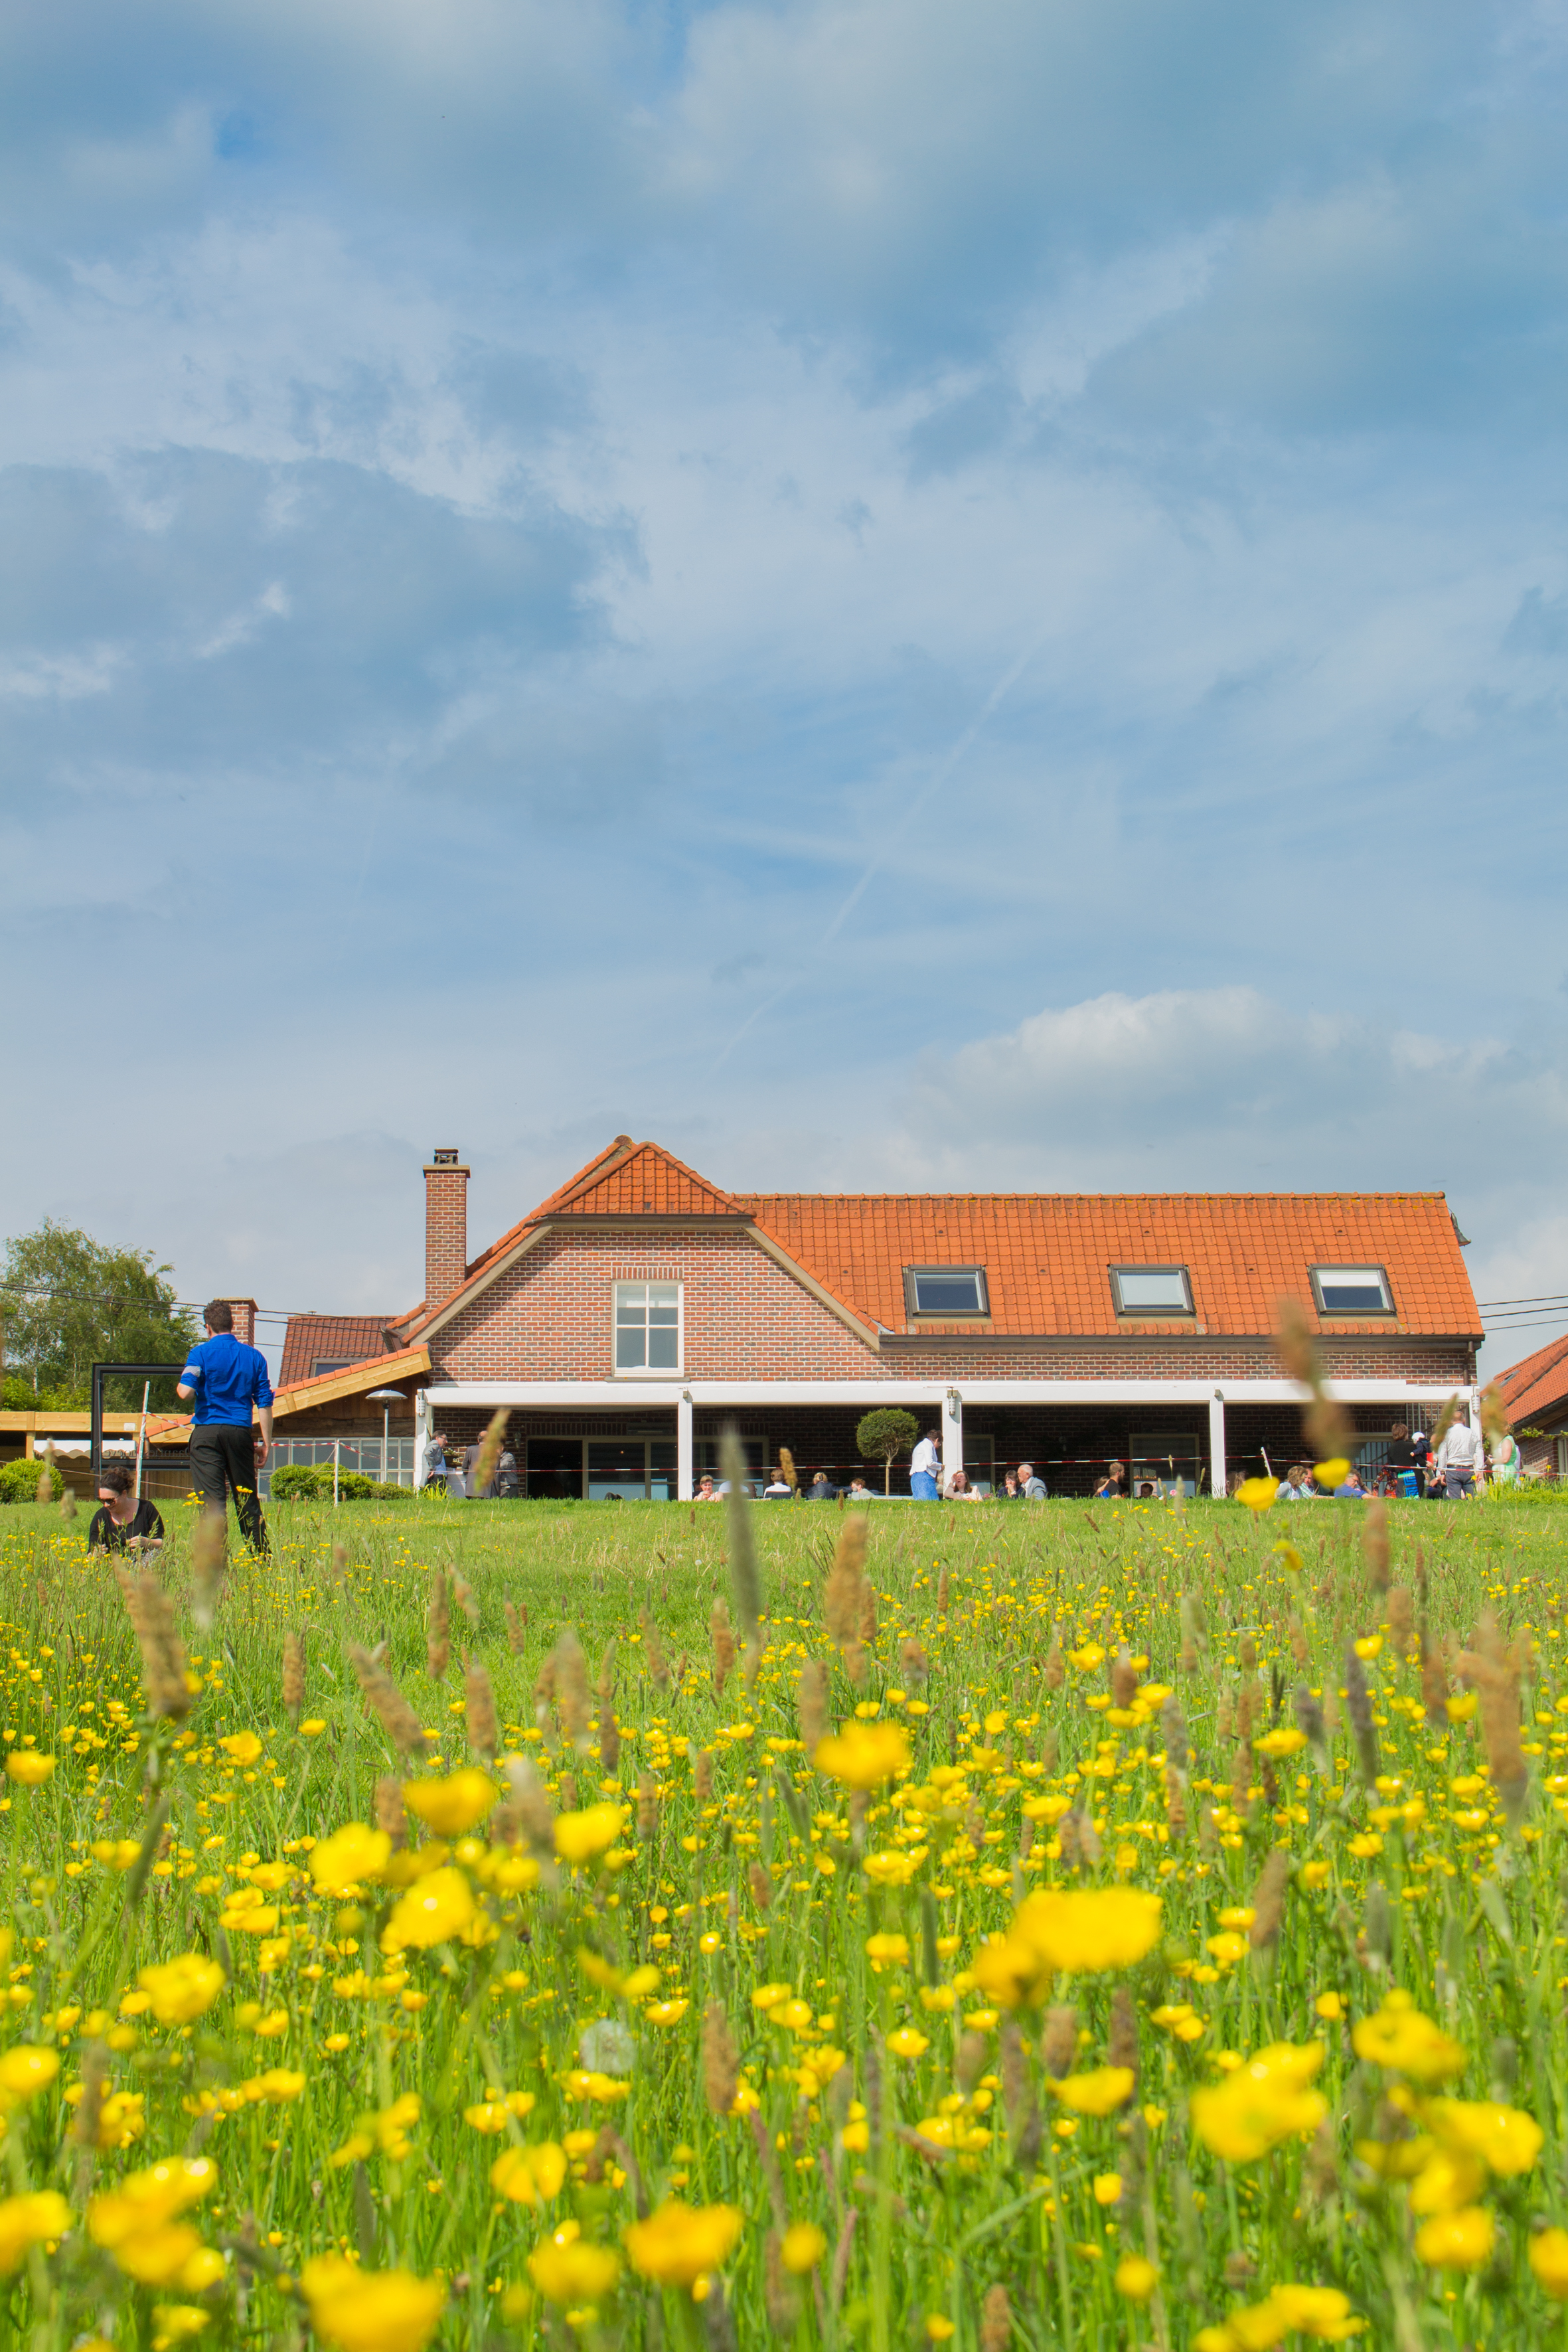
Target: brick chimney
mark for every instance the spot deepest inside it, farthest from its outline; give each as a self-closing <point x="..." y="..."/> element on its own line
<point x="244" y="1313"/>
<point x="446" y="1224"/>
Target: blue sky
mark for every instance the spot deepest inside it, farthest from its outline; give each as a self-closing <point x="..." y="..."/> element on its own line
<point x="891" y="595"/>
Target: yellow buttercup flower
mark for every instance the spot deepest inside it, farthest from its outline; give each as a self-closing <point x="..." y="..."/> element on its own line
<point x="681" y="2244"/>
<point x="370" y="2310"/>
<point x="432" y="1911"/>
<point x="1548" y="2260"/>
<point x="1318" y="2311"/>
<point x="864" y="1755"/>
<point x="1457" y="2241"/>
<point x="1136" y="2278"/>
<point x="1333" y="1473"/>
<point x="907" y="2043"/>
<point x="452" y="1805"/>
<point x="27" y="2221"/>
<point x="1107" y="2188"/>
<point x="1400" y="2038"/>
<point x="26" y="1765"/>
<point x="1086" y="1931"/>
<point x="1286" y="1742"/>
<point x="1505" y="2138"/>
<point x="351" y="1857"/>
<point x="1258" y="1494"/>
<point x="183" y="1988"/>
<point x="583" y="1836"/>
<point x="572" y="2273"/>
<point x="1263" y="2102"/>
<point x="24" y="2071"/>
<point x="1098" y="2094"/>
<point x="802" y="2248"/>
<point x="529" y="2176"/>
<point x="243" y="1746"/>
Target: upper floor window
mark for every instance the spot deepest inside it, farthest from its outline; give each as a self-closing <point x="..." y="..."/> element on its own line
<point x="1351" y="1290"/>
<point x="648" y="1327"/>
<point x="1151" y="1289"/>
<point x="945" y="1290"/>
<point x="322" y="1365"/>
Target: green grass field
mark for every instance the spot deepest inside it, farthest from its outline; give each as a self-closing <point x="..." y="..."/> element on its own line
<point x="1133" y="1969"/>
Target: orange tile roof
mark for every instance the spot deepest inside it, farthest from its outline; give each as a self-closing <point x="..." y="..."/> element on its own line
<point x="1046" y="1255"/>
<point x="1537" y="1384"/>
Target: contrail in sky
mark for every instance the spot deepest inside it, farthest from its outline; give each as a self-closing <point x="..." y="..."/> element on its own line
<point x="939" y="776"/>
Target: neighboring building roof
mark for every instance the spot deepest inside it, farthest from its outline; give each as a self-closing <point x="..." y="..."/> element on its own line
<point x="310" y="1340"/>
<point x="1537" y="1384"/>
<point x="329" y="1388"/>
<point x="1046" y="1255"/>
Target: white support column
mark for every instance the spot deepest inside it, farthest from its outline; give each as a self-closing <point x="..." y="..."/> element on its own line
<point x="421" y="1435"/>
<point x="684" y="1482"/>
<point x="1218" y="1477"/>
<point x="952" y="1434"/>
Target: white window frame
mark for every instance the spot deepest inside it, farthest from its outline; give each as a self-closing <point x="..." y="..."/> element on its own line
<point x="1348" y="1314"/>
<point x="1182" y="1274"/>
<point x="648" y="1372"/>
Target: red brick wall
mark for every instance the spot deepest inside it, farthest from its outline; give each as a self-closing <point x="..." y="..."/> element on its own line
<point x="549" y="1317"/>
<point x="244" y="1313"/>
<point x="446" y="1230"/>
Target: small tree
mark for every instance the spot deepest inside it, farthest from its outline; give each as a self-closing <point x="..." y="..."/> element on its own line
<point x="882" y="1434"/>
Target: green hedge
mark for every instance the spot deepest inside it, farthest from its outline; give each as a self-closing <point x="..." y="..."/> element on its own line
<point x="294" y="1482"/>
<point x="19" y="1481"/>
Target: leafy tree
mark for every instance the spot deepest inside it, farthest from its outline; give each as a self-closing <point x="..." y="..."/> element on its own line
<point x="882" y="1434"/>
<point x="68" y="1302"/>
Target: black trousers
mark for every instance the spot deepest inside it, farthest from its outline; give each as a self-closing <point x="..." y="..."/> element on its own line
<point x="223" y="1456"/>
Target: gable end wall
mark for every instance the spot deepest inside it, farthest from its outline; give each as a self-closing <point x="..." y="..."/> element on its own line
<point x="548" y="1316"/>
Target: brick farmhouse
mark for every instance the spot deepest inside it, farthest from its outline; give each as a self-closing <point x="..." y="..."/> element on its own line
<point x="632" y="1314"/>
<point x="1535" y="1397"/>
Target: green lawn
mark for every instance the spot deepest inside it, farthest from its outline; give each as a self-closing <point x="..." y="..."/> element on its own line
<point x="444" y="2095"/>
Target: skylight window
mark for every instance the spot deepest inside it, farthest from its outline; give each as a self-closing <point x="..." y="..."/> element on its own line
<point x="1351" y="1290"/>
<point x="1151" y="1289"/>
<point x="945" y="1290"/>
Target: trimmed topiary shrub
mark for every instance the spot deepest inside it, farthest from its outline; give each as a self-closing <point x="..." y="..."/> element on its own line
<point x="19" y="1481"/>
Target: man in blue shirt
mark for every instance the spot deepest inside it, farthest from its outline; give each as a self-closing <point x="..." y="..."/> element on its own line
<point x="226" y="1379"/>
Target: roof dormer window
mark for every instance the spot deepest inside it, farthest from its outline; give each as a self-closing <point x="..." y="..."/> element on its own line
<point x="945" y="1291"/>
<point x="1151" y="1289"/>
<point x="1351" y="1290"/>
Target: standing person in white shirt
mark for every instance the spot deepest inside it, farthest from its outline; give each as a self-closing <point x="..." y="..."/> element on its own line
<point x="1456" y="1461"/>
<point x="924" y="1464"/>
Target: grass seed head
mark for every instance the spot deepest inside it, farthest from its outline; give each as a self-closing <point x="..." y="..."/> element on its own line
<point x="1375" y="1543"/>
<point x="294" y="1674"/>
<point x="390" y="1813"/>
<point x="721" y="2064"/>
<point x="490" y="1445"/>
<point x="152" y="1618"/>
<point x="723" y="1646"/>
<point x="811" y="1705"/>
<point x="572" y="1695"/>
<point x="516" y="1626"/>
<point x="438" y="1628"/>
<point x="484" y="1730"/>
<point x="386" y="1702"/>
<point x="653" y="1652"/>
<point x="209" y="1565"/>
<point x="1058" y="2042"/>
<point x="1269" y="1899"/>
